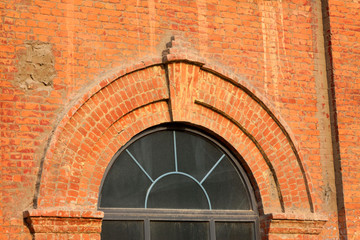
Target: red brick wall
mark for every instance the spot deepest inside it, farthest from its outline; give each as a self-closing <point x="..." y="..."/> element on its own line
<point x="52" y="53"/>
<point x="344" y="26"/>
<point x="64" y="224"/>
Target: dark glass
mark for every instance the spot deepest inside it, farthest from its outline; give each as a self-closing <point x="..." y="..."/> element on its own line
<point x="117" y="230"/>
<point x="196" y="155"/>
<point x="155" y="153"/>
<point x="234" y="231"/>
<point x="125" y="185"/>
<point x="177" y="191"/>
<point x="179" y="230"/>
<point x="226" y="188"/>
<point x="148" y="158"/>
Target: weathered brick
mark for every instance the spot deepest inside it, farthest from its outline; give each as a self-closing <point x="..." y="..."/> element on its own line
<point x="274" y="50"/>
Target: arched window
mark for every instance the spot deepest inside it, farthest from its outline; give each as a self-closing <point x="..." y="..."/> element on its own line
<point x="176" y="183"/>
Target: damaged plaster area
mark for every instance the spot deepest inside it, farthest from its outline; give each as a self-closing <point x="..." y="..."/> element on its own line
<point x="36" y="66"/>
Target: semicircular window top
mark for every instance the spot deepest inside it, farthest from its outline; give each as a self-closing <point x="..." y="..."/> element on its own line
<point x="172" y="183"/>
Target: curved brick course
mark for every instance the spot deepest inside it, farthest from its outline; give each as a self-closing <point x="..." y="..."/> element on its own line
<point x="75" y="76"/>
<point x="109" y="117"/>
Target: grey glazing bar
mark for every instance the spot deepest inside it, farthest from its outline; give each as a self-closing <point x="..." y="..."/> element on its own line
<point x="176" y="164"/>
<point x="212" y="169"/>
<point x="177" y="173"/>
<point x="147" y="229"/>
<point x="139" y="165"/>
<point x="212" y="230"/>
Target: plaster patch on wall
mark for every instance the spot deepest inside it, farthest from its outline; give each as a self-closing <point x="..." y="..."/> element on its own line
<point x="36" y="66"/>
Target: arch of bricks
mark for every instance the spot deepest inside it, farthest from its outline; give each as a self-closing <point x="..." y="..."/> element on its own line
<point x="89" y="136"/>
<point x="155" y="92"/>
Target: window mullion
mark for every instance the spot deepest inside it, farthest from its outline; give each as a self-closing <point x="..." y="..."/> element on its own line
<point x="147" y="228"/>
<point x="212" y="230"/>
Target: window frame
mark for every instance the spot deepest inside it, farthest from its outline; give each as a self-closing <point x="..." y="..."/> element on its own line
<point x="183" y="215"/>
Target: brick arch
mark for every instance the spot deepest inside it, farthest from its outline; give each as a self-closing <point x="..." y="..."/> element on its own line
<point x="119" y="108"/>
<point x="76" y="137"/>
<point x="192" y="86"/>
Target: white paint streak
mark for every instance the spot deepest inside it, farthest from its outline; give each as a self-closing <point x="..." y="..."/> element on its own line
<point x="69" y="22"/>
<point x="152" y="14"/>
<point x="138" y="27"/>
<point x="202" y="21"/>
<point x="274" y="47"/>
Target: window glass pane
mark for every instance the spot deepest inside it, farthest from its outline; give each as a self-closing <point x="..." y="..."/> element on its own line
<point x="125" y="184"/>
<point x="234" y="230"/>
<point x="226" y="188"/>
<point x="155" y="153"/>
<point x="196" y="155"/>
<point x="177" y="191"/>
<point x="179" y="230"/>
<point x="197" y="176"/>
<point x="116" y="230"/>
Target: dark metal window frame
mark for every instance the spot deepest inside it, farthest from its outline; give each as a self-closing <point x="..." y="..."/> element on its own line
<point x="184" y="215"/>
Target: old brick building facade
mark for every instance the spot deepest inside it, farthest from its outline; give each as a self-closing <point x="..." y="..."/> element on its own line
<point x="276" y="80"/>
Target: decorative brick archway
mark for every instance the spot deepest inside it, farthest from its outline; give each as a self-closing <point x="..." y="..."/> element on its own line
<point x="177" y="88"/>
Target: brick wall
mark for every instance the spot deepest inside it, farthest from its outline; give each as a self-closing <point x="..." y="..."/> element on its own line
<point x="344" y="27"/>
<point x="56" y="55"/>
